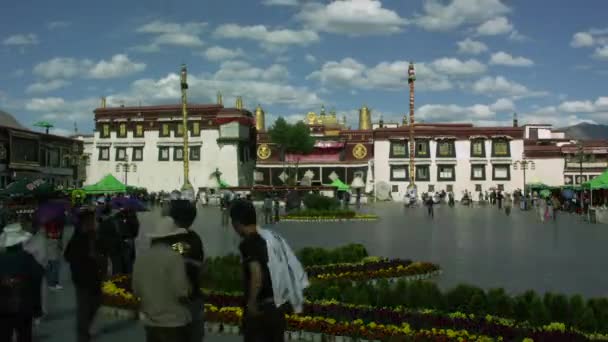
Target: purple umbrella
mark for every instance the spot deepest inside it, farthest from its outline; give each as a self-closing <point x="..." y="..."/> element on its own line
<point x="128" y="203"/>
<point x="51" y="211"/>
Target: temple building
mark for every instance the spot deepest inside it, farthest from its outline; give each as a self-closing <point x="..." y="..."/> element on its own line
<point x="143" y="146"/>
<point x="339" y="153"/>
<point x="29" y="154"/>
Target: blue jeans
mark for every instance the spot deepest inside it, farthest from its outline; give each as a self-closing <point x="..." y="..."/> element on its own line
<point x="52" y="272"/>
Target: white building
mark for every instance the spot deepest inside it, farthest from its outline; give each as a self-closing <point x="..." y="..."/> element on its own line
<point x="450" y="157"/>
<point x="143" y="146"/>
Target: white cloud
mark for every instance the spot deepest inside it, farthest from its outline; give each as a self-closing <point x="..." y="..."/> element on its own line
<point x="582" y="39"/>
<point x="503" y="58"/>
<point x="494" y="27"/>
<point x="503" y="105"/>
<point x="267" y="86"/>
<point x="456" y="67"/>
<point x="310" y="58"/>
<point x="218" y="53"/>
<point x="44" y="104"/>
<point x="455" y="113"/>
<point x="601" y="53"/>
<point x="21" y="39"/>
<point x="119" y="65"/>
<point x="60" y="109"/>
<point x="385" y="75"/>
<point x="499" y="86"/>
<point x="571" y="112"/>
<point x="62" y="67"/>
<point x="442" y="16"/>
<point x="57" y="25"/>
<point x="45" y="87"/>
<point x="352" y="17"/>
<point x="473" y="47"/>
<point x="577" y="106"/>
<point x="349" y="73"/>
<point x="280" y="2"/>
<point x="268" y="38"/>
<point x="168" y="33"/>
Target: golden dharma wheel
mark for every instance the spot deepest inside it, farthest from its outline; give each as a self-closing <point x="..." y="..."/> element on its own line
<point x="311" y="117"/>
<point x="359" y="151"/>
<point x="264" y="151"/>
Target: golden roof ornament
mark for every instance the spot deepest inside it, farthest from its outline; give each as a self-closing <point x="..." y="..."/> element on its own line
<point x="264" y="151"/>
<point x="359" y="151"/>
<point x="311" y="117"/>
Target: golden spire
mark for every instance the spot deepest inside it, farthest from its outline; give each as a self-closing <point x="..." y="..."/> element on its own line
<point x="260" y="123"/>
<point x="103" y="102"/>
<point x="219" y="98"/>
<point x="365" y="118"/>
<point x="239" y="103"/>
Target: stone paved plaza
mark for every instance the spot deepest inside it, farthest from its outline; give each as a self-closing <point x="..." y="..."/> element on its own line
<point x="479" y="246"/>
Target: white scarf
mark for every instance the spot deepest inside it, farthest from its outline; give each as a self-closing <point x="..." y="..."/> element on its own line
<point x="286" y="272"/>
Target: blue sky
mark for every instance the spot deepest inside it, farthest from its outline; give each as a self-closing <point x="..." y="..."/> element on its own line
<point x="477" y="60"/>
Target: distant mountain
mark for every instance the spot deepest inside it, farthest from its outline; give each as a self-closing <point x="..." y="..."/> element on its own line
<point x="587" y="131"/>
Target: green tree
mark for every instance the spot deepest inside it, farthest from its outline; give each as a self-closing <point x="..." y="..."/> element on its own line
<point x="293" y="138"/>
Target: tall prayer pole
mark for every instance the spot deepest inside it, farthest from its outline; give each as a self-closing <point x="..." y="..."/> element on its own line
<point x="411" y="79"/>
<point x="186" y="157"/>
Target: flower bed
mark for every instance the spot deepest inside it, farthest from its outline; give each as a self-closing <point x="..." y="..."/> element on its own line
<point x="336" y="215"/>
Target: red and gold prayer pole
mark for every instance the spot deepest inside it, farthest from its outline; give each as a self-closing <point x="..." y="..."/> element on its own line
<point x="411" y="79"/>
<point x="187" y="187"/>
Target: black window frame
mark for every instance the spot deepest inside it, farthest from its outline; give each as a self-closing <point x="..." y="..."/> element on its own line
<point x="451" y="179"/>
<point x="495" y="141"/>
<point x="393" y="187"/>
<point x="176" y="130"/>
<point x="428" y="148"/>
<point x="161" y="128"/>
<point x="133" y="156"/>
<point x="473" y="167"/>
<point x="452" y="143"/>
<point x="483" y="148"/>
<point x="100" y="155"/>
<point x="431" y="188"/>
<point x="407" y="173"/>
<point x="428" y="172"/>
<point x="118" y="134"/>
<point x="102" y="134"/>
<point x="124" y="149"/>
<point x="449" y="188"/>
<point x="478" y="186"/>
<point x="175" y="149"/>
<point x="400" y="142"/>
<point x="160" y="153"/>
<point x="191" y="128"/>
<point x="494" y="167"/>
<point x="143" y="131"/>
<point x="191" y="151"/>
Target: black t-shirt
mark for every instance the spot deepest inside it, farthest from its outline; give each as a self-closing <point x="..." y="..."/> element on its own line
<point x="253" y="248"/>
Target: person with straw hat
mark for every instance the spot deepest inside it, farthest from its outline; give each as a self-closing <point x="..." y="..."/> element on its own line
<point x="20" y="281"/>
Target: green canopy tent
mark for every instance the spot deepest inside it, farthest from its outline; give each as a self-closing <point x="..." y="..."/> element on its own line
<point x="28" y="188"/>
<point x="599" y="182"/>
<point x="340" y="185"/>
<point x="107" y="185"/>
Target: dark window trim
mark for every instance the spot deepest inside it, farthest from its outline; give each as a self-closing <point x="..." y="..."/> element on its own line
<point x="407" y="152"/>
<point x="137" y="149"/>
<point x="175" y="149"/>
<point x="160" y="130"/>
<point x="101" y="133"/>
<point x="405" y="167"/>
<point x="451" y="179"/>
<point x="473" y="166"/>
<point x="143" y="130"/>
<point x="508" y="148"/>
<point x="428" y="172"/>
<point x="118" y="135"/>
<point x="508" y="166"/>
<point x="100" y="154"/>
<point x="160" y="154"/>
<point x="483" y="148"/>
<point x="428" y="148"/>
<point x="121" y="149"/>
<point x="199" y="153"/>
<point x="451" y="155"/>
<point x="191" y="128"/>
<point x="176" y="132"/>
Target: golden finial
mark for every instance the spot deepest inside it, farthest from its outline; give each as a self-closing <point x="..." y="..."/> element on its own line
<point x="260" y="123"/>
<point x="239" y="103"/>
<point x="219" y="98"/>
<point x="365" y="118"/>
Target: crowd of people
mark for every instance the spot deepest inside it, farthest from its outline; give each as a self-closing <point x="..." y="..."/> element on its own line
<point x="167" y="275"/>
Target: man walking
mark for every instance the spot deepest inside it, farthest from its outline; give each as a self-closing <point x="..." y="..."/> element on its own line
<point x="89" y="267"/>
<point x="160" y="280"/>
<point x="262" y="320"/>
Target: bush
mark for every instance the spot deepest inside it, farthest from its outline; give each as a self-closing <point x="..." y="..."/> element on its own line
<point x="321" y="256"/>
<point x="499" y="302"/>
<point x="459" y="298"/>
<point x="320" y="202"/>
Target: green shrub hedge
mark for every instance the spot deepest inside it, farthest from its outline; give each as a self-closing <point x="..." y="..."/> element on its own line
<point x="589" y="316"/>
<point x="316" y="213"/>
<point x="320" y="202"/>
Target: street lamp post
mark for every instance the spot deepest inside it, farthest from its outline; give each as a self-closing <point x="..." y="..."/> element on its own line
<point x="187" y="187"/>
<point x="126" y="168"/>
<point x="524" y="164"/>
<point x="580" y="155"/>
